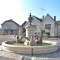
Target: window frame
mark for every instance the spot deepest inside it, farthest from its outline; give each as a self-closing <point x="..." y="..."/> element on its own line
<point x="47" y="26"/>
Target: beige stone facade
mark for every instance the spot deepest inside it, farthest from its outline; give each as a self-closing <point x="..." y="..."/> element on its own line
<point x="48" y="23"/>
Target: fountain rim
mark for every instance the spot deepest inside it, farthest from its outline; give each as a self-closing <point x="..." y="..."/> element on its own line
<point x="5" y="44"/>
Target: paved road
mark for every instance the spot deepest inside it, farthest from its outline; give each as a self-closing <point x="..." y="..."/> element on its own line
<point x="4" y="58"/>
<point x="6" y="38"/>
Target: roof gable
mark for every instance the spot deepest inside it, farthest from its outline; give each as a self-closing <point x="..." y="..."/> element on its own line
<point x="49" y="16"/>
<point x="10" y="20"/>
<point x="37" y="18"/>
<point x="24" y="23"/>
<point x="33" y="19"/>
<point x="58" y="22"/>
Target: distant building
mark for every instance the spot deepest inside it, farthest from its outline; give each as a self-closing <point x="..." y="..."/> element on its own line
<point x="1" y="31"/>
<point x="46" y="23"/>
<point x="10" y="27"/>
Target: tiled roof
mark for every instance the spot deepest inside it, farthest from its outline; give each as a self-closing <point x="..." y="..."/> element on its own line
<point x="10" y="20"/>
<point x="24" y="23"/>
<point x="38" y="18"/>
<point x="58" y="22"/>
<point x="32" y="17"/>
<point x="50" y="17"/>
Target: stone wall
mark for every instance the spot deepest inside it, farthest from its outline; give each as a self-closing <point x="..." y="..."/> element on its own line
<point x="30" y="49"/>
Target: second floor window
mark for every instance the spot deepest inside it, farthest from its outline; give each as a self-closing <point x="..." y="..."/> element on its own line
<point x="47" y="26"/>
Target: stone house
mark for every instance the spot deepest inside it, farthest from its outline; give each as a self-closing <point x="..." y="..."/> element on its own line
<point x="47" y="23"/>
<point x="10" y="27"/>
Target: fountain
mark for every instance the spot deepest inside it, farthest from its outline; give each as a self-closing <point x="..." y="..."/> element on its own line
<point x="29" y="45"/>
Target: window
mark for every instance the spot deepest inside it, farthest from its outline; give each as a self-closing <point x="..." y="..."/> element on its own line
<point x="47" y="26"/>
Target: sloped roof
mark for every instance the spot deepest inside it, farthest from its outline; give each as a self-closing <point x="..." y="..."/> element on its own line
<point x="58" y="22"/>
<point x="24" y="23"/>
<point x="50" y="17"/>
<point x="38" y="18"/>
<point x="10" y="20"/>
<point x="32" y="17"/>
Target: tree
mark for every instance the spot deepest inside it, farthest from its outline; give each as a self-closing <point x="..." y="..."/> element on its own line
<point x="48" y="33"/>
<point x="42" y="32"/>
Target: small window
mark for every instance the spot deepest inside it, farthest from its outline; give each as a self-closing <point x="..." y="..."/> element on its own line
<point x="47" y="26"/>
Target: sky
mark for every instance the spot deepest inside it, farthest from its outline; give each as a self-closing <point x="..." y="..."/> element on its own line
<point x="19" y="10"/>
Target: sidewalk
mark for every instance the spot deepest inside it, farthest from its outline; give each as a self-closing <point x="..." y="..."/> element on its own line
<point x="4" y="58"/>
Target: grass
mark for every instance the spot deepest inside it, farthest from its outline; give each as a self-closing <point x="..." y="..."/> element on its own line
<point x="22" y="44"/>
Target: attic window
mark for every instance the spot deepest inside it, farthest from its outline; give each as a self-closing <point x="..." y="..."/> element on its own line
<point x="47" y="26"/>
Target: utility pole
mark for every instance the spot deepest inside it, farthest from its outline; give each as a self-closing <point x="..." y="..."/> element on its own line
<point x="42" y="9"/>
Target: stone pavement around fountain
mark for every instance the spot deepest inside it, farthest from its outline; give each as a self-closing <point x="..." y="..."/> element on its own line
<point x="4" y="58"/>
<point x="12" y="56"/>
<point x="4" y="55"/>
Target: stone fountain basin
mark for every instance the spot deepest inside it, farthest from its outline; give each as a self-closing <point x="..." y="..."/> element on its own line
<point x="30" y="49"/>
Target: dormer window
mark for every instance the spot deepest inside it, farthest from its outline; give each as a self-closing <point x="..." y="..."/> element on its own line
<point x="47" y="26"/>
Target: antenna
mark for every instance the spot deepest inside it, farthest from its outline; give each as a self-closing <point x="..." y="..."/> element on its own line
<point x="42" y="10"/>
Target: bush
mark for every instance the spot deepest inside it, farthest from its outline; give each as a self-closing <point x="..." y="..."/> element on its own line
<point x="4" y="33"/>
<point x="48" y="33"/>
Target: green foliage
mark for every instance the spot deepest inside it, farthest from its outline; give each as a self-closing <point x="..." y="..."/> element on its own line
<point x="48" y="33"/>
<point x="42" y="32"/>
<point x="3" y="33"/>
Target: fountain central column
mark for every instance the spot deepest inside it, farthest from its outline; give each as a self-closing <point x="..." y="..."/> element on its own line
<point x="30" y="30"/>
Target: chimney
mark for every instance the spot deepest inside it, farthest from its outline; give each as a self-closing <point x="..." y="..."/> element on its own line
<point x="43" y="17"/>
<point x="54" y="18"/>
